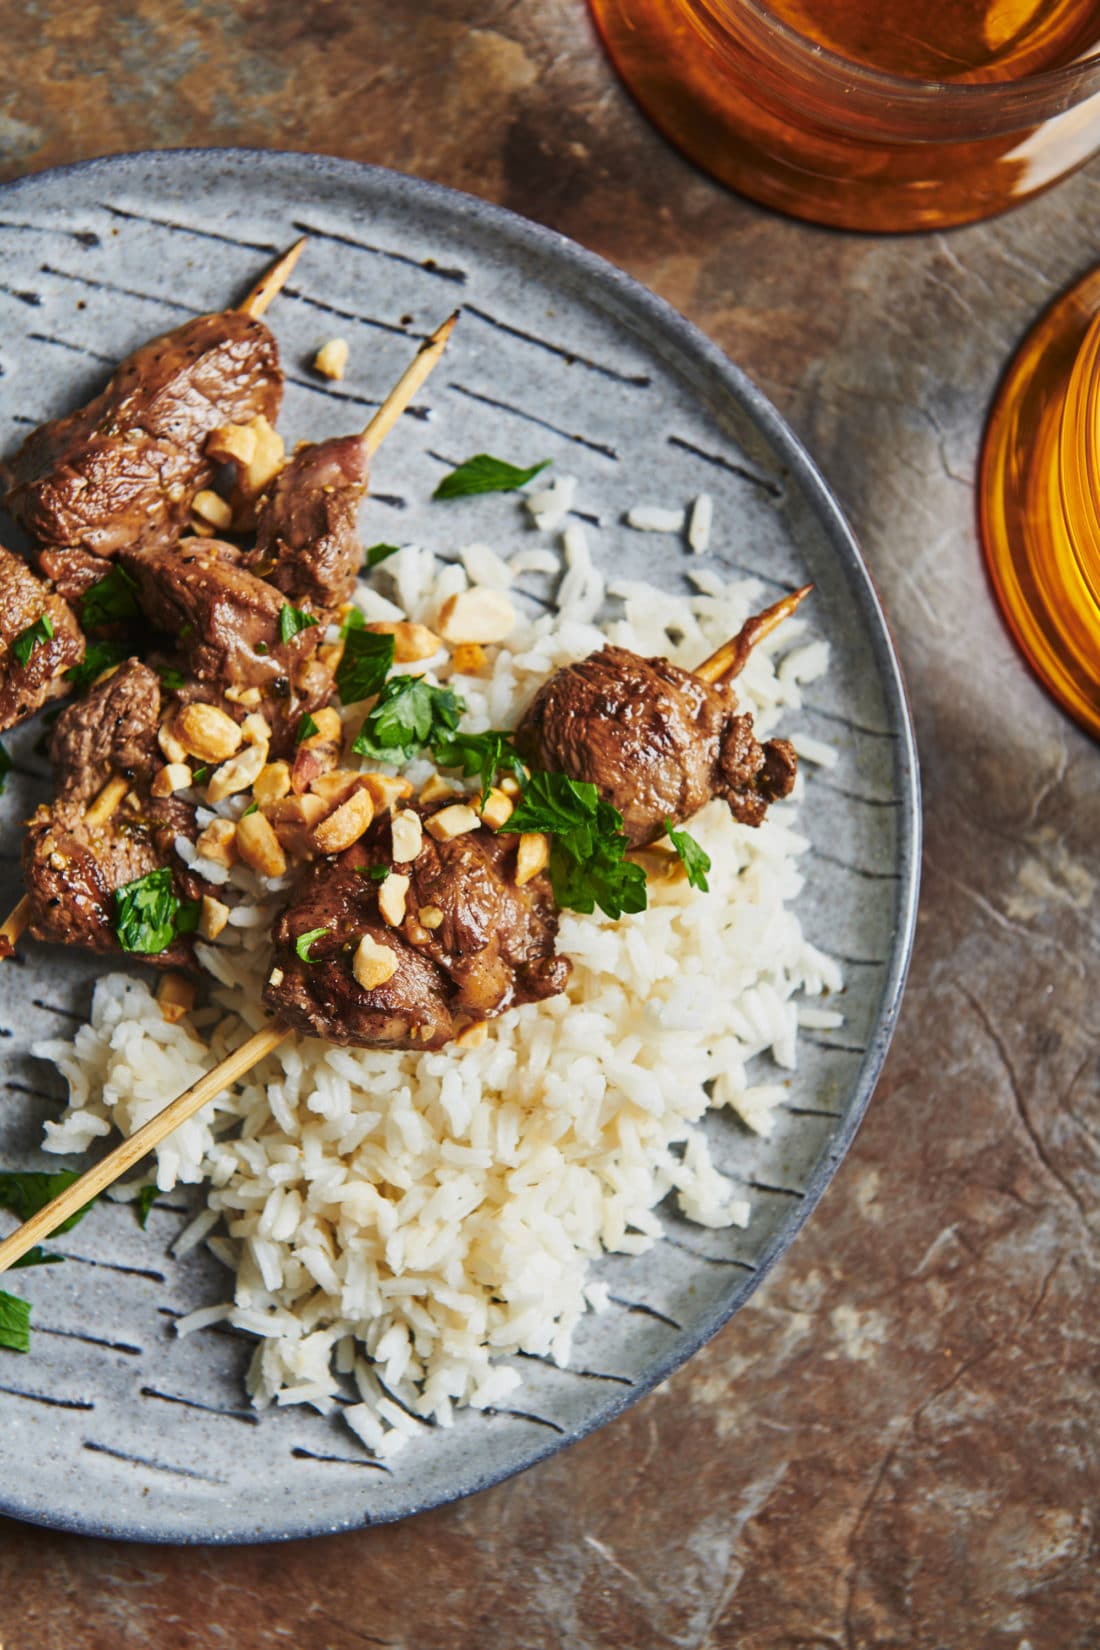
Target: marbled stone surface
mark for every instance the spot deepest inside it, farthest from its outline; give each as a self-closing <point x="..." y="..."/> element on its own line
<point x="895" y="1445"/>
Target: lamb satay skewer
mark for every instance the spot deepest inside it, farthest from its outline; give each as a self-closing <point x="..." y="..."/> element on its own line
<point x="124" y="469"/>
<point x="383" y="421"/>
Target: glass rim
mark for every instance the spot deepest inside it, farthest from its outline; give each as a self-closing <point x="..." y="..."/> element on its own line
<point x="949" y="96"/>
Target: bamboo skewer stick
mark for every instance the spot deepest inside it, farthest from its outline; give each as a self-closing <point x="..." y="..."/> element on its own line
<point x="12" y="930"/>
<point x="272" y="281"/>
<point x="731" y="657"/>
<point x="407" y="385"/>
<point x="132" y="1150"/>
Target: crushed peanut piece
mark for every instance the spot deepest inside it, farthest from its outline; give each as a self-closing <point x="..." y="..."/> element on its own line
<point x="218" y="842"/>
<point x="335" y="787"/>
<point x="176" y="996"/>
<point x="276" y="977"/>
<point x="272" y="782"/>
<point x="106" y="803"/>
<point x="392" y="895"/>
<point x="332" y="358"/>
<point x="532" y="856"/>
<point x="255" y="729"/>
<point x="170" y="746"/>
<point x="435" y="789"/>
<point x="211" y="507"/>
<point x="330" y="729"/>
<point x="345" y="824"/>
<point x="477" y="615"/>
<point x="469" y="659"/>
<point x="386" y="790"/>
<point x="430" y="916"/>
<point x="510" y="786"/>
<point x="233" y="444"/>
<point x="249" y="697"/>
<point x="406" y="835"/>
<point x="175" y="776"/>
<point x="208" y="733"/>
<point x="374" y="963"/>
<point x="213" y="916"/>
<point x="240" y="773"/>
<point x="454" y="821"/>
<point x="498" y="808"/>
<point x="411" y="642"/>
<point x="473" y="1036"/>
<point x="259" y="847"/>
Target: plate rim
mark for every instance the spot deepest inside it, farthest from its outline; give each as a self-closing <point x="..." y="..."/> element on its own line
<point x="636" y="303"/>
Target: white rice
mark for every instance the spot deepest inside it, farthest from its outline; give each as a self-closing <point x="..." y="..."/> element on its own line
<point x="405" y="1221"/>
<point x="650" y="518"/>
<point x="700" y="523"/>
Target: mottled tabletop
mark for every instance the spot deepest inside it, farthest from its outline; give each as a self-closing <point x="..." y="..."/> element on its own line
<point x="896" y="1443"/>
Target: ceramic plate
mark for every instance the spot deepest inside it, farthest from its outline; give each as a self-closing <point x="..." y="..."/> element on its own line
<point x="113" y="1425"/>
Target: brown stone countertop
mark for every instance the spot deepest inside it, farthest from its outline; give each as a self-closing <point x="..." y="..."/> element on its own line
<point x="895" y="1445"/>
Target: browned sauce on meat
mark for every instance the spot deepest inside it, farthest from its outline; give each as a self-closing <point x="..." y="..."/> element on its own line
<point x="492" y="949"/>
<point x="123" y="470"/>
<point x="24" y="601"/>
<point x="657" y="742"/>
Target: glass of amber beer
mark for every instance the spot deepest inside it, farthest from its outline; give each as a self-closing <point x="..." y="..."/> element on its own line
<point x="869" y="114"/>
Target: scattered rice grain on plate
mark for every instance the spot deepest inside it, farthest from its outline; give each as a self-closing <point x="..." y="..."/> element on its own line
<point x="700" y="523"/>
<point x="650" y="518"/>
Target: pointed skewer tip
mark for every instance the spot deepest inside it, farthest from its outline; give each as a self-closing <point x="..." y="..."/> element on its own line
<point x="272" y="281"/>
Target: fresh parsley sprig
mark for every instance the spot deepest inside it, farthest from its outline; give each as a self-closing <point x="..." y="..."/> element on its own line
<point x="696" y="860"/>
<point x="293" y="620"/>
<point x="588" y="863"/>
<point x="33" y="636"/>
<point x="365" y="663"/>
<point x="110" y="600"/>
<point x="303" y="945"/>
<point x="98" y="657"/>
<point x="485" y="754"/>
<point x="377" y="554"/>
<point x="15" y="1323"/>
<point x="149" y="914"/>
<point x="410" y="714"/>
<point x="485" y="474"/>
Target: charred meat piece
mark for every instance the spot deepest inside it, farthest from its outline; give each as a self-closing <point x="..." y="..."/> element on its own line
<point x="93" y="840"/>
<point x="123" y="470"/>
<point x="39" y="640"/>
<point x="307" y="541"/>
<point x="656" y="742"/>
<point x="465" y="943"/>
<point x="225" y="625"/>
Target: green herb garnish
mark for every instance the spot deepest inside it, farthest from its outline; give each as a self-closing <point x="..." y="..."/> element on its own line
<point x="5" y="768"/>
<point x="37" y="1257"/>
<point x="307" y="727"/>
<point x="379" y="553"/>
<point x="148" y="914"/>
<point x="696" y="860"/>
<point x="200" y="775"/>
<point x="253" y="807"/>
<point x="98" y="657"/>
<point x="112" y="598"/>
<point x="30" y="638"/>
<point x="15" y="1323"/>
<point x="23" y="1194"/>
<point x="261" y="647"/>
<point x="374" y="873"/>
<point x="171" y="678"/>
<point x="292" y="620"/>
<point x="304" y="943"/>
<point x="588" y="864"/>
<point x="485" y="474"/>
<point x="484" y="754"/>
<point x="144" y="1201"/>
<point x="410" y="713"/>
<point x="365" y="663"/>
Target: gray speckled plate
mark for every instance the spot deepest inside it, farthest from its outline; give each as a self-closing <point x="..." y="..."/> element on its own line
<point x="112" y="1425"/>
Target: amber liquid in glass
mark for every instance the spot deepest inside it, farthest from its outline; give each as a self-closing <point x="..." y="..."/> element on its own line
<point x="719" y="95"/>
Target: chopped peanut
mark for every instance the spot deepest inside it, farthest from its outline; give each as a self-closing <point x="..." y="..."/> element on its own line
<point x="240" y="773"/>
<point x="176" y="776"/>
<point x="218" y="842"/>
<point x="469" y="659"/>
<point x="407" y="836"/>
<point x="335" y="787"/>
<point x="106" y="803"/>
<point x="276" y="977"/>
<point x="249" y="697"/>
<point x="532" y="857"/>
<point x="392" y="894"/>
<point x="385" y="790"/>
<point x="411" y="642"/>
<point x="255" y="729"/>
<point x="213" y="916"/>
<point x="267" y="457"/>
<point x="294" y="820"/>
<point x="510" y="786"/>
<point x="453" y="821"/>
<point x="473" y="1036"/>
<point x="168" y="742"/>
<point x="498" y="808"/>
<point x="211" y="508"/>
<point x="430" y="916"/>
<point x="332" y="358"/>
<point x="477" y="615"/>
<point x="330" y="729"/>
<point x="345" y="824"/>
<point x="435" y="789"/>
<point x="374" y="963"/>
<point x="259" y="847"/>
<point x="176" y="996"/>
<point x="208" y="733"/>
<point x="272" y="782"/>
<point x="233" y="444"/>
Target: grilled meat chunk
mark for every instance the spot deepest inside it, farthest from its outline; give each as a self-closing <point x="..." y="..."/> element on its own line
<point x="486" y="945"/>
<point x="123" y="470"/>
<point x="307" y="541"/>
<point x="224" y="623"/>
<point x="75" y="855"/>
<point x="657" y="742"/>
<point x="27" y="684"/>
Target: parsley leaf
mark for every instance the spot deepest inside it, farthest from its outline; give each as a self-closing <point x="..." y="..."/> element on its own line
<point x="588" y="864"/>
<point x="143" y="1203"/>
<point x="365" y="664"/>
<point x="410" y="713"/>
<point x="98" y="657"/>
<point x="23" y="1194"/>
<point x="484" y="754"/>
<point x="37" y="1257"/>
<point x="374" y="873"/>
<point x="30" y="638"/>
<point x="304" y="943"/>
<point x="149" y="914"/>
<point x="307" y="727"/>
<point x="201" y="775"/>
<point x="292" y="620"/>
<point x="485" y="474"/>
<point x="170" y="678"/>
<point x="5" y="768"/>
<point x="379" y="553"/>
<point x="696" y="859"/>
<point x="15" y="1323"/>
<point x="112" y="598"/>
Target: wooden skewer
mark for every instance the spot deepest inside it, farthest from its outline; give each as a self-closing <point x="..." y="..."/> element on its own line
<point x="13" y="929"/>
<point x="731" y="657"/>
<point x="272" y="281"/>
<point x="407" y="385"/>
<point x="131" y="1151"/>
